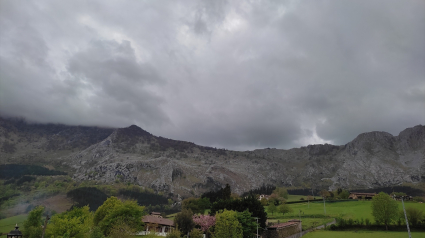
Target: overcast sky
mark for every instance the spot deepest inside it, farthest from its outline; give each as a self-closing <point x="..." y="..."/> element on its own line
<point x="229" y="74"/>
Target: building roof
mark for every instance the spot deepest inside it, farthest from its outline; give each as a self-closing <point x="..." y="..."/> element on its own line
<point x="157" y="220"/>
<point x="371" y="194"/>
<point x="284" y="225"/>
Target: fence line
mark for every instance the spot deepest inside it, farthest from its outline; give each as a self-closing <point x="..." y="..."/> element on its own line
<point x="300" y="234"/>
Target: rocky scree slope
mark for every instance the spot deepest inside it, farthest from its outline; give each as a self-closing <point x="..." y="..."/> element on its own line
<point x="133" y="155"/>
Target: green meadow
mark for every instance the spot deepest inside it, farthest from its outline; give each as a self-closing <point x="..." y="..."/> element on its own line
<point x="313" y="214"/>
<point x="8" y="224"/>
<point x="362" y="234"/>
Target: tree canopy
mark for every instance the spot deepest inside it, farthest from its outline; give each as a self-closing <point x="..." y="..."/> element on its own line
<point x="75" y="223"/>
<point x="114" y="212"/>
<point x="384" y="209"/>
<point x="33" y="223"/>
<point x="284" y="208"/>
<point x="197" y="205"/>
<point x="248" y="223"/>
<point x="184" y="221"/>
<point x="227" y="225"/>
<point x="251" y="203"/>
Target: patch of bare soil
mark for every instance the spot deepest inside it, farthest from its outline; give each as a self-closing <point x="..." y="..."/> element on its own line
<point x="58" y="203"/>
<point x="16" y="210"/>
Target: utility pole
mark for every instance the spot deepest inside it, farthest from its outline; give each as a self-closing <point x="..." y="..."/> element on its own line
<point x="45" y="225"/>
<point x="301" y="228"/>
<point x="405" y="216"/>
<point x="324" y="204"/>
<point x="257" y="225"/>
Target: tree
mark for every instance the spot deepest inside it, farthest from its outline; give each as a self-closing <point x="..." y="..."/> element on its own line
<point x="184" y="222"/>
<point x="344" y="194"/>
<point x="247" y="222"/>
<point x="96" y="233"/>
<point x="121" y="230"/>
<point x="105" y="209"/>
<point x="114" y="212"/>
<point x="227" y="225"/>
<point x="226" y="192"/>
<point x="76" y="223"/>
<point x="384" y="209"/>
<point x="281" y="192"/>
<point x="284" y="208"/>
<point x="196" y="233"/>
<point x="251" y="203"/>
<point x="197" y="205"/>
<point x="325" y="193"/>
<point x="414" y="215"/>
<point x="274" y="199"/>
<point x="204" y="221"/>
<point x="33" y="223"/>
<point x="271" y="208"/>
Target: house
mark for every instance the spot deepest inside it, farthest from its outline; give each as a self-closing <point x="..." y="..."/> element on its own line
<point x="156" y="214"/>
<point x="262" y="196"/>
<point x="398" y="197"/>
<point x="154" y="222"/>
<point x="282" y="230"/>
<point x="361" y="196"/>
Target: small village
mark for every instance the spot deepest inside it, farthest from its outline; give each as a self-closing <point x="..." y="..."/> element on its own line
<point x="231" y="216"/>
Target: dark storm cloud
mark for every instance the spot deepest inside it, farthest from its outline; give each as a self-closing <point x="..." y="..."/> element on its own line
<point x="233" y="74"/>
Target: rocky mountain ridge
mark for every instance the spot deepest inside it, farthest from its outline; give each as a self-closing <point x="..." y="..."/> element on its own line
<point x="134" y="155"/>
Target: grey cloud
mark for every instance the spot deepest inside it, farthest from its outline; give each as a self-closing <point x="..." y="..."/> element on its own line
<point x="230" y="74"/>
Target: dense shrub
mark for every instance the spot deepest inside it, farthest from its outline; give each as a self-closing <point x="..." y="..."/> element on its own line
<point x="264" y="189"/>
<point x="418" y="199"/>
<point x="90" y="196"/>
<point x="8" y="171"/>
<point x="223" y="194"/>
<point x="367" y="222"/>
<point x="144" y="198"/>
<point x="25" y="179"/>
<point x="404" y="189"/>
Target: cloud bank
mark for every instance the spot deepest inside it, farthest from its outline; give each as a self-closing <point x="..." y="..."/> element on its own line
<point x="230" y="74"/>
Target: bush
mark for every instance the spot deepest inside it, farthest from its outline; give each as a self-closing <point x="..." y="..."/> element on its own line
<point x="418" y="199"/>
<point x="196" y="233"/>
<point x="414" y="215"/>
<point x="341" y="222"/>
<point x="173" y="234"/>
<point x="367" y="222"/>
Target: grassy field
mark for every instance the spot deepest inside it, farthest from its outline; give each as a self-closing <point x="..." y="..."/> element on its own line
<point x="8" y="224"/>
<point x="292" y="198"/>
<point x="362" y="234"/>
<point x="313" y="214"/>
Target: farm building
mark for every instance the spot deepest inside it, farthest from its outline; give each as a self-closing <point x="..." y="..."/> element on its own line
<point x="282" y="230"/>
<point x="361" y="195"/>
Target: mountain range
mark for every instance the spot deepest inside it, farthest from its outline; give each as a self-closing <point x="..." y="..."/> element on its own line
<point x="133" y="155"/>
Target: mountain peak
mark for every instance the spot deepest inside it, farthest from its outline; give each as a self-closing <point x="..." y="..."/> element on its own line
<point x="134" y="131"/>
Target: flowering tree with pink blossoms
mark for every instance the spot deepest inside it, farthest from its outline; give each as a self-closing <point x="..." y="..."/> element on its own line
<point x="204" y="221"/>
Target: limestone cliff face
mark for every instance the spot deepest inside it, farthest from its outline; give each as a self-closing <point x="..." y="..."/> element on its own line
<point x="133" y="155"/>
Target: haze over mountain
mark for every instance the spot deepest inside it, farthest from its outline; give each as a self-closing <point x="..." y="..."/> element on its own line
<point x="131" y="154"/>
